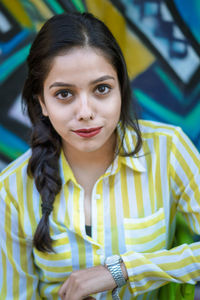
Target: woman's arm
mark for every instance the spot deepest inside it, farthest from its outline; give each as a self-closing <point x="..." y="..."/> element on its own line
<point x="18" y="277"/>
<point x="149" y="271"/>
<point x="83" y="283"/>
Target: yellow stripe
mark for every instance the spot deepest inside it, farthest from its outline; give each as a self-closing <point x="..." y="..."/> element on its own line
<point x="158" y="182"/>
<point x="145" y="239"/>
<point x="76" y="213"/>
<point x="148" y="158"/>
<point x="124" y="192"/>
<point x="139" y="194"/>
<point x="100" y="215"/>
<point x="188" y="149"/>
<point x="144" y="223"/>
<point x="166" y="253"/>
<point x="77" y="225"/>
<point x="81" y="252"/>
<point x="4" y="282"/>
<point x="9" y="245"/>
<point x="54" y="269"/>
<point x="179" y="263"/>
<point x="30" y="204"/>
<point x="23" y="253"/>
<point x="52" y="256"/>
<point x="113" y="217"/>
<point x="184" y="196"/>
<point x="148" y="285"/>
<point x="157" y="247"/>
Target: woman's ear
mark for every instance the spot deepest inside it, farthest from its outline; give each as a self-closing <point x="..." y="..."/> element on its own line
<point x="43" y="106"/>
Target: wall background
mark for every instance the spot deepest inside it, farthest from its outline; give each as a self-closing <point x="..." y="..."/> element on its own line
<point x="159" y="38"/>
<point x="160" y="41"/>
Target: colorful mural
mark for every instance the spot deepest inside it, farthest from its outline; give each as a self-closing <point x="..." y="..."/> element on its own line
<point x="160" y="41"/>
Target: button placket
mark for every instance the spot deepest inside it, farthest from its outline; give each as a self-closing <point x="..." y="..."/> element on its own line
<point x="96" y="205"/>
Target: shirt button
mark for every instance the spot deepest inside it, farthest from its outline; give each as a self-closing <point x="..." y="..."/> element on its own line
<point x="99" y="251"/>
<point x="97" y="196"/>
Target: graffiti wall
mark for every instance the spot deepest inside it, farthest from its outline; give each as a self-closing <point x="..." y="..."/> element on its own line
<point x="160" y="40"/>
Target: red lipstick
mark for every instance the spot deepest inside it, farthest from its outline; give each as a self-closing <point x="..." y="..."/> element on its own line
<point x="88" y="132"/>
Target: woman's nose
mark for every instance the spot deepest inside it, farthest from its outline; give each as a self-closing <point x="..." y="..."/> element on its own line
<point x="85" y="109"/>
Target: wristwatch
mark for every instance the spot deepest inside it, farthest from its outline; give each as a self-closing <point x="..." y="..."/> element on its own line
<point x="113" y="263"/>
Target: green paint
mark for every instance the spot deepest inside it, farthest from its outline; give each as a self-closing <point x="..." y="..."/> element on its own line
<point x="10" y="152"/>
<point x="8" y="66"/>
<point x="175" y="90"/>
<point x="79" y="5"/>
<point x="57" y="8"/>
<point x="170" y="84"/>
<point x="194" y="93"/>
<point x="187" y="122"/>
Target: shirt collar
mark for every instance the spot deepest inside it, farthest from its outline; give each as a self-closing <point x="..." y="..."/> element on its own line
<point x="65" y="169"/>
<point x="136" y="163"/>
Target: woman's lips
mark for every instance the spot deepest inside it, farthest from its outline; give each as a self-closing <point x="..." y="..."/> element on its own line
<point x="88" y="132"/>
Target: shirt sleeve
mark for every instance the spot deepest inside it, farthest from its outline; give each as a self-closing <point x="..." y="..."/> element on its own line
<point x="18" y="276"/>
<point x="148" y="271"/>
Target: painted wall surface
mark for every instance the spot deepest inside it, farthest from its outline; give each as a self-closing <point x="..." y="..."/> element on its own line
<point x="160" y="41"/>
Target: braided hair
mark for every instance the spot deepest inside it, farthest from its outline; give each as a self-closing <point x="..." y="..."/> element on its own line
<point x="57" y="36"/>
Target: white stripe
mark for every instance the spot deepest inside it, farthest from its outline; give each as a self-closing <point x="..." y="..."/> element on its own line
<point x="54" y="263"/>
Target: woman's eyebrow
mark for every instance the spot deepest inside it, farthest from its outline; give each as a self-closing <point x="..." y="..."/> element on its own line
<point x="102" y="78"/>
<point x="65" y="84"/>
<point x="62" y="84"/>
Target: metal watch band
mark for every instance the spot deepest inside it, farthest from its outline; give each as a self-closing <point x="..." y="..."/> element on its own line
<point x="115" y="294"/>
<point x="117" y="274"/>
<point x="113" y="263"/>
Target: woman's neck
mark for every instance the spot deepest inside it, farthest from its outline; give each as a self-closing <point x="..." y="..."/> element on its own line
<point x="89" y="166"/>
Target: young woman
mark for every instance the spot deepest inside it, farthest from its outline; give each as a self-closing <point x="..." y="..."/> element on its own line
<point x="89" y="211"/>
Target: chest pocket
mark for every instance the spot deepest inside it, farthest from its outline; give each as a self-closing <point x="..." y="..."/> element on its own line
<point x="146" y="234"/>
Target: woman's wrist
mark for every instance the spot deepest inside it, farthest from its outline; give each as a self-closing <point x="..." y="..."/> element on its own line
<point x="124" y="270"/>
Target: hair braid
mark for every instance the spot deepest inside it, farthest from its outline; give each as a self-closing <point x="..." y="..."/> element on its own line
<point x="44" y="167"/>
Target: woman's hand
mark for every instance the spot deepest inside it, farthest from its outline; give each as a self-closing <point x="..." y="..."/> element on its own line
<point x="83" y="283"/>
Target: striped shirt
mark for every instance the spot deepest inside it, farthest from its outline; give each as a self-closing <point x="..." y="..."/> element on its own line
<point x="133" y="207"/>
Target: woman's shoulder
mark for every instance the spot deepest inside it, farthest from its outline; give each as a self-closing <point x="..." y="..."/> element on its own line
<point x="16" y="165"/>
<point x="157" y="128"/>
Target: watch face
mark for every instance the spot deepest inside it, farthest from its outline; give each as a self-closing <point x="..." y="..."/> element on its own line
<point x="112" y="260"/>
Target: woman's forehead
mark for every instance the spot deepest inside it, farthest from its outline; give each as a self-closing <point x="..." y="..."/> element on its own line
<point x="80" y="62"/>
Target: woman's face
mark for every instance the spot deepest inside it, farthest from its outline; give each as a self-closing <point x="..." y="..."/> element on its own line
<point x="82" y="100"/>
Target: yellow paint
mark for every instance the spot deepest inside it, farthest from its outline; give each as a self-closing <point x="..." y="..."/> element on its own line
<point x="42" y="8"/>
<point x="16" y="9"/>
<point x="137" y="56"/>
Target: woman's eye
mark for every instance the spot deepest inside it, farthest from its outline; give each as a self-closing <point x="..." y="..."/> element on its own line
<point x="63" y="94"/>
<point x="103" y="89"/>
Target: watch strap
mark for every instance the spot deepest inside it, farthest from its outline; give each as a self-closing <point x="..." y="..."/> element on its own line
<point x="115" y="294"/>
<point x="113" y="263"/>
<point x="117" y="274"/>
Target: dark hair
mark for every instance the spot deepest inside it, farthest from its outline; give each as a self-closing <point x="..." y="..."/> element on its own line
<point x="59" y="34"/>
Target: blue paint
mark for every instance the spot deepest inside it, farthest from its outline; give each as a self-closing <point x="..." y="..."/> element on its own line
<point x="11" y="141"/>
<point x="9" y="65"/>
<point x="190" y="12"/>
<point x="8" y="47"/>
